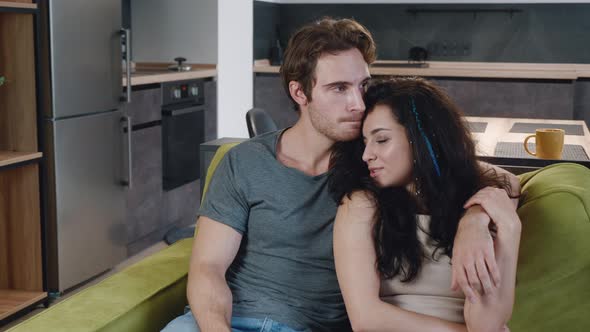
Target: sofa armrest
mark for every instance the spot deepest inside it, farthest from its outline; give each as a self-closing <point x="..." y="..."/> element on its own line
<point x="552" y="287"/>
<point x="143" y="297"/>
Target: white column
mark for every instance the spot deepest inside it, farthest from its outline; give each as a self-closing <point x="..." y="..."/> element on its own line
<point x="234" y="66"/>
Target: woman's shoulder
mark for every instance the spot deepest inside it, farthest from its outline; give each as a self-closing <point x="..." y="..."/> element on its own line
<point x="356" y="208"/>
<point x="358" y="203"/>
<point x="362" y="197"/>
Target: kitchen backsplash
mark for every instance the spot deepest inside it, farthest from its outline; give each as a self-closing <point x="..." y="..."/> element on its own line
<point x="554" y="33"/>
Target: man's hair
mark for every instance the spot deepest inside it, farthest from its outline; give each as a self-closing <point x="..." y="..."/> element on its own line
<point x="311" y="41"/>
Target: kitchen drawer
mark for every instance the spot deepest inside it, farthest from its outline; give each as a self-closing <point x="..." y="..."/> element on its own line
<point x="146" y="104"/>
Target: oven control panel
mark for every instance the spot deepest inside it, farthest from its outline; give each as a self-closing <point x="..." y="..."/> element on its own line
<point x="186" y="91"/>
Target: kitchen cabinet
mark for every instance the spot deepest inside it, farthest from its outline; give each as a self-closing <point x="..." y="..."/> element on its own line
<point x="145" y="198"/>
<point x="21" y="262"/>
<point x="211" y="110"/>
<point x="408" y="1"/>
<point x="488" y="97"/>
<point x="152" y="211"/>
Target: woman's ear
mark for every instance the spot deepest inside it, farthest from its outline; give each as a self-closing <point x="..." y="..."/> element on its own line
<point x="297" y="93"/>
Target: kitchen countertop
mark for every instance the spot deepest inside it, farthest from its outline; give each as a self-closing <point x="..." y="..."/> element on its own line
<point x="506" y="70"/>
<point x="149" y="73"/>
<point x="498" y="130"/>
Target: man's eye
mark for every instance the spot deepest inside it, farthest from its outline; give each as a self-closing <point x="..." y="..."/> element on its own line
<point x="340" y="88"/>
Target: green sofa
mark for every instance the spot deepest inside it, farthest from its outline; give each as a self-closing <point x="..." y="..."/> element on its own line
<point x="553" y="279"/>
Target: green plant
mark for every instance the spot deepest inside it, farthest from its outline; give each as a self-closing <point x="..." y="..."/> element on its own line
<point x="2" y="80"/>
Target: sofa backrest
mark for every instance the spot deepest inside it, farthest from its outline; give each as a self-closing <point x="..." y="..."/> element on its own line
<point x="219" y="154"/>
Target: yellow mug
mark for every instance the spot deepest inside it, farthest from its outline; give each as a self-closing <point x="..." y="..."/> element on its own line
<point x="548" y="143"/>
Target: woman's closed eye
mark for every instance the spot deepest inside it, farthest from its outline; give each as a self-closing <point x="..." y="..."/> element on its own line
<point x="381" y="140"/>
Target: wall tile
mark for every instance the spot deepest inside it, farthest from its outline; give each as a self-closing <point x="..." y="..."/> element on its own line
<point x="540" y="33"/>
<point x="270" y="95"/>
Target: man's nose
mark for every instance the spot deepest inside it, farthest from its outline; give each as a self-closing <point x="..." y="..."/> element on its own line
<point x="356" y="102"/>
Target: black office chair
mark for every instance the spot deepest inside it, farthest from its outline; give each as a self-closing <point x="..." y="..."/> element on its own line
<point x="259" y="122"/>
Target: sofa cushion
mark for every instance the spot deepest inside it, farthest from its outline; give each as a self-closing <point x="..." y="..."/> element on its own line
<point x="143" y="297"/>
<point x="553" y="276"/>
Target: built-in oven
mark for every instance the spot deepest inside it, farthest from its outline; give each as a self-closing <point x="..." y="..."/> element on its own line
<point x="183" y="130"/>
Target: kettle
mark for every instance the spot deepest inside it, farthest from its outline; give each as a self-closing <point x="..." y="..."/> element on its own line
<point x="179" y="66"/>
<point x="418" y="54"/>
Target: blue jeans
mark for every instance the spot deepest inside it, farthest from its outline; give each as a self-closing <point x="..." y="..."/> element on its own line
<point x="187" y="323"/>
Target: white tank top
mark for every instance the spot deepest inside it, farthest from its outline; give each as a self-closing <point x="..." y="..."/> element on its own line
<point x="430" y="292"/>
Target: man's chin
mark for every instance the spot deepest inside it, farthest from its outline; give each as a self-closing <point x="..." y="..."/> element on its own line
<point x="348" y="135"/>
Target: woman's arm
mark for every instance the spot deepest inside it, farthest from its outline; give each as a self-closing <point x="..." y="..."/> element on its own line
<point x="359" y="280"/>
<point x="494" y="309"/>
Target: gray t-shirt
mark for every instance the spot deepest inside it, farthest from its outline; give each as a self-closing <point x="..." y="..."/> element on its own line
<point x="284" y="268"/>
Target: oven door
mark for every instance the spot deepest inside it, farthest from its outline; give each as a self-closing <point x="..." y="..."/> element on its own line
<point x="183" y="131"/>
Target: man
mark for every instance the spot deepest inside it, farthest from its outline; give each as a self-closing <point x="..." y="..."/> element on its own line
<point x="262" y="259"/>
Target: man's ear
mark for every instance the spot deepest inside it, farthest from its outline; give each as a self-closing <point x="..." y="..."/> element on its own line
<point x="296" y="91"/>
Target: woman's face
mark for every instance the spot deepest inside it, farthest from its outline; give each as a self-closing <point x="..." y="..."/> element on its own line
<point x="387" y="150"/>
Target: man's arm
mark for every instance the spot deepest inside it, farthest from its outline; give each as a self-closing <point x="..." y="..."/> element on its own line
<point x="494" y="309"/>
<point x="215" y="247"/>
<point x="512" y="179"/>
<point x="474" y="262"/>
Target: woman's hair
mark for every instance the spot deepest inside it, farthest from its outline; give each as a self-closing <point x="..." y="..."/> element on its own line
<point x="430" y="118"/>
<point x="313" y="40"/>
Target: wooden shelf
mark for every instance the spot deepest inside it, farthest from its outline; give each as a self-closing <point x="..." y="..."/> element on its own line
<point x="9" y="158"/>
<point x="21" y="258"/>
<point x="18" y="5"/>
<point x="12" y="301"/>
<point x="18" y="106"/>
<point x="21" y="252"/>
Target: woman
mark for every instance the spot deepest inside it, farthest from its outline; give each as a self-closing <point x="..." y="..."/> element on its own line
<point x="403" y="188"/>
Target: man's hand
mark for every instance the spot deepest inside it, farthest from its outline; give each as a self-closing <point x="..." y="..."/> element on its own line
<point x="474" y="261"/>
<point x="498" y="206"/>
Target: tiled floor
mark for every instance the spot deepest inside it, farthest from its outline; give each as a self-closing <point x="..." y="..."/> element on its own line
<point x="146" y="252"/>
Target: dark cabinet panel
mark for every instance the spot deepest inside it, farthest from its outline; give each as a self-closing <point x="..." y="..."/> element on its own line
<point x="513" y="98"/>
<point x="145" y="199"/>
<point x="270" y="95"/>
<point x="151" y="211"/>
<point x="535" y="99"/>
<point x="145" y="105"/>
<point x="211" y="110"/>
<point x="582" y="101"/>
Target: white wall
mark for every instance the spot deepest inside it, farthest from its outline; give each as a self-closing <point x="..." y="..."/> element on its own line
<point x="235" y="91"/>
<point x="165" y="29"/>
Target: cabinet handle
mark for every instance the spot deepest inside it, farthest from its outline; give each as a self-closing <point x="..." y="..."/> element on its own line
<point x="127" y="34"/>
<point x="129" y="180"/>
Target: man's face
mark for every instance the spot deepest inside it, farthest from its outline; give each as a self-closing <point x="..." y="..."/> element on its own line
<point x="337" y="106"/>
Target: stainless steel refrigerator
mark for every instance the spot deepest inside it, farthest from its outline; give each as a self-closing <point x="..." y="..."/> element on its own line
<point x="85" y="173"/>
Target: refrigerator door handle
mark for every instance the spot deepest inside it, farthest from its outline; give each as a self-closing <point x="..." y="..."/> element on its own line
<point x="126" y="34"/>
<point x="128" y="183"/>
